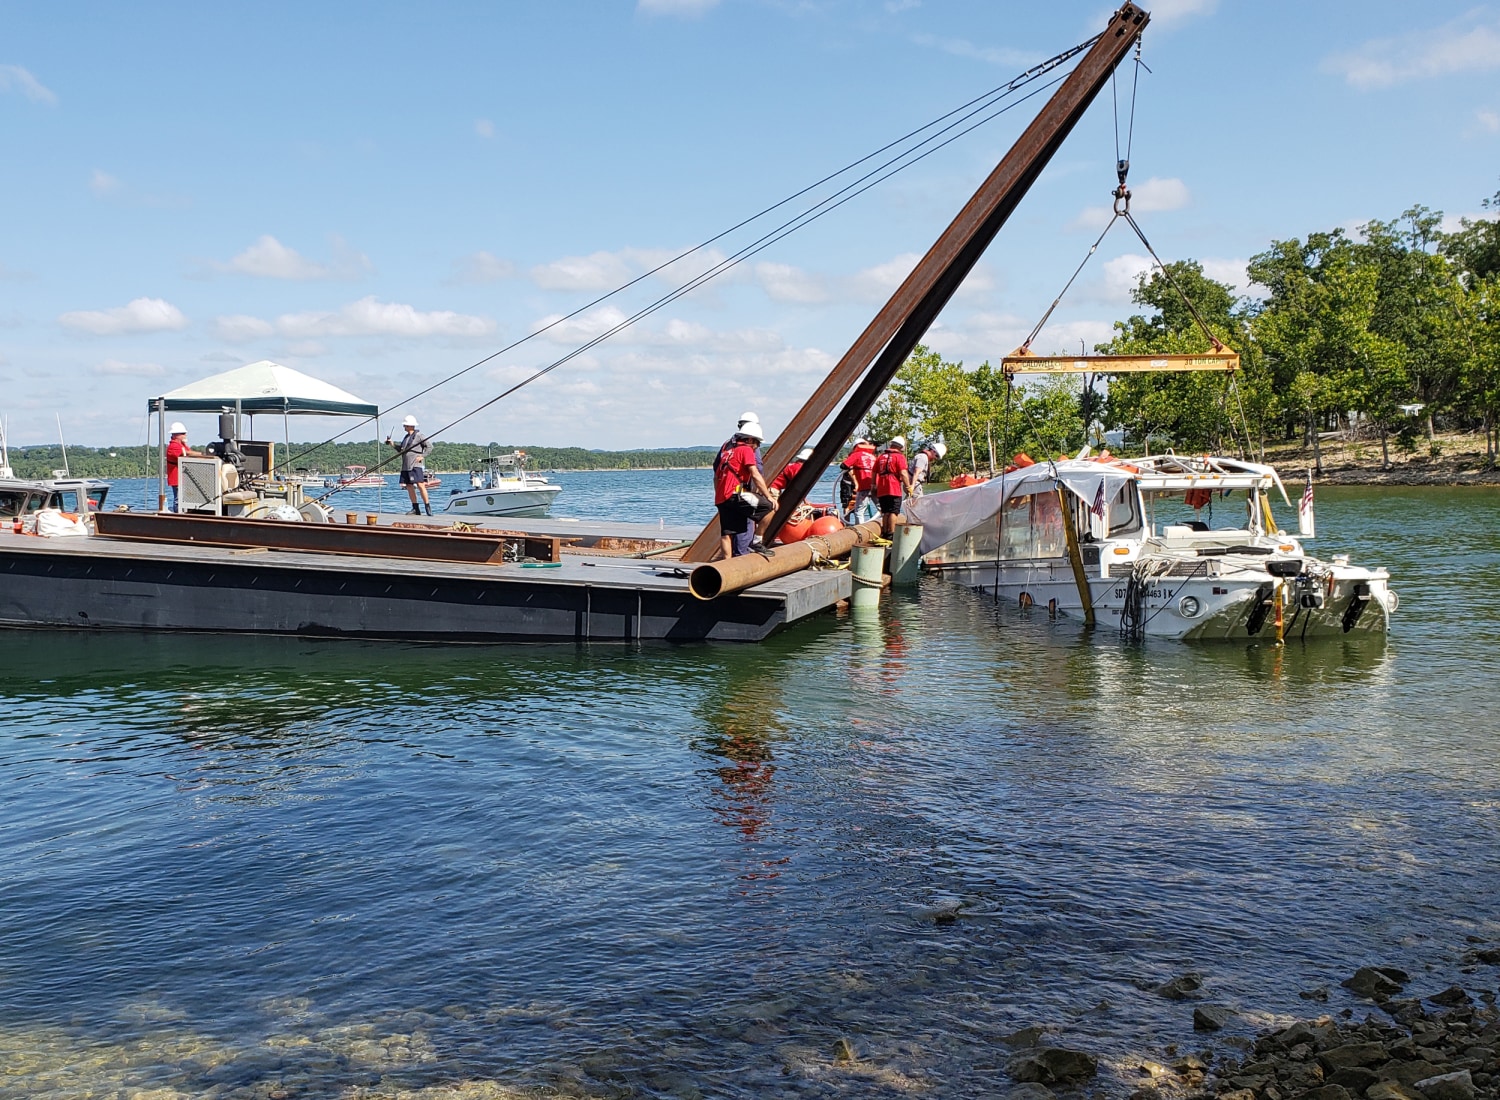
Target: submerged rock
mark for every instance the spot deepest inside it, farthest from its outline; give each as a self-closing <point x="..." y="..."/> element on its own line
<point x="1181" y="987"/>
<point x="1376" y="981"/>
<point x="1211" y="1017"/>
<point x="1053" y="1065"/>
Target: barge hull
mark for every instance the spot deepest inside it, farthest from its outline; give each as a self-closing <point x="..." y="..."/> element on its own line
<point x="97" y="584"/>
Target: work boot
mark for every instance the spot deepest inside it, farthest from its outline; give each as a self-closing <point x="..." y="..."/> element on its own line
<point x="415" y="510"/>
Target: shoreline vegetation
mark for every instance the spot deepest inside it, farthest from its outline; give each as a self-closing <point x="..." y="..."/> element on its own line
<point x="1453" y="459"/>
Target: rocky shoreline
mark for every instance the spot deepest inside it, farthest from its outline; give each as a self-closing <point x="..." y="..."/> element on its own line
<point x="1443" y="1045"/>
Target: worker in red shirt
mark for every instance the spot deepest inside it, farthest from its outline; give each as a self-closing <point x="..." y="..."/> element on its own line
<point x="739" y="487"/>
<point x="178" y="449"/>
<point x="861" y="467"/>
<point x="790" y="470"/>
<point x="891" y="481"/>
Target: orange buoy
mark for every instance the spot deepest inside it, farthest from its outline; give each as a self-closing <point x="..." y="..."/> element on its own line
<point x="795" y="531"/>
<point x="826" y="525"/>
<point x="1023" y="459"/>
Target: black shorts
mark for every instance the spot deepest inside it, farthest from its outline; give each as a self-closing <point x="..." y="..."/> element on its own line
<point x="415" y="476"/>
<point x="890" y="506"/>
<point x="763" y="509"/>
<point x="734" y="516"/>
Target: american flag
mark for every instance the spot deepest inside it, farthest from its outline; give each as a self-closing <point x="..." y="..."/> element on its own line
<point x="1306" y="526"/>
<point x="1098" y="506"/>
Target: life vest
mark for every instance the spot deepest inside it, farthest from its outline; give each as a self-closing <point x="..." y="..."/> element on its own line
<point x="789" y="471"/>
<point x="1197" y="498"/>
<point x="888" y="469"/>
<point x="731" y="471"/>
<point x="861" y="463"/>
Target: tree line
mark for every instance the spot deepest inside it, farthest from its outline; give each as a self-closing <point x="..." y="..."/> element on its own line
<point x="331" y="458"/>
<point x="1389" y="334"/>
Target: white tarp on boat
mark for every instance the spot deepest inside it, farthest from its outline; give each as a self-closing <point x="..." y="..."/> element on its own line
<point x="945" y="516"/>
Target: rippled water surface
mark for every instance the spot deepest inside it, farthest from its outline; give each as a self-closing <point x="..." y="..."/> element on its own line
<point x="240" y="867"/>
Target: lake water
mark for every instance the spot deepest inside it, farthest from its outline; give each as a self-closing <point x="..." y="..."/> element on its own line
<point x="237" y="867"/>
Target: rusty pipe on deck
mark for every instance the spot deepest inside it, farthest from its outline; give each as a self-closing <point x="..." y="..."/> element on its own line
<point x="728" y="575"/>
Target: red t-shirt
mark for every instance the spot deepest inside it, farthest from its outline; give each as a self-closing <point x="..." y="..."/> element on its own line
<point x="861" y="462"/>
<point x="732" y="470"/>
<point x="176" y="448"/>
<point x="888" y="470"/>
<point x="789" y="471"/>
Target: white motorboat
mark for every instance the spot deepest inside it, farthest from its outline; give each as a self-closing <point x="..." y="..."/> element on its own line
<point x="1133" y="541"/>
<point x="354" y="477"/>
<point x="503" y="487"/>
<point x="23" y="496"/>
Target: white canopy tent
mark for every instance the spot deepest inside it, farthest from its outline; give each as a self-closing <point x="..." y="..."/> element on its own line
<point x="263" y="387"/>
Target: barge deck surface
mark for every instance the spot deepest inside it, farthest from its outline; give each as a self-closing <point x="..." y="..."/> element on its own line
<point x="118" y="584"/>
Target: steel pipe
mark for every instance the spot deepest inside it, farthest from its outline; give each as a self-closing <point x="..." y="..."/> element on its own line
<point x="719" y="578"/>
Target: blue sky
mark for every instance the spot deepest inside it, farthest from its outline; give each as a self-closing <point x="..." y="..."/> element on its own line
<point x="382" y="194"/>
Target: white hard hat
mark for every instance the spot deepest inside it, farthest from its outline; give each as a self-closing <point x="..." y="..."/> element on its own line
<point x="899" y="441"/>
<point x="940" y="449"/>
<point x="748" y="418"/>
<point x="752" y="430"/>
<point x="804" y="454"/>
<point x="177" y="428"/>
<point x="409" y="422"/>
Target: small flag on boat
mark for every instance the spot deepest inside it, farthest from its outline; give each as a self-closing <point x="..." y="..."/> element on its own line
<point x="1305" y="525"/>
<point x="1098" y="506"/>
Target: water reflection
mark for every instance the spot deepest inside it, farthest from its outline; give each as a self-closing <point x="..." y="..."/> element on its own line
<point x="236" y="866"/>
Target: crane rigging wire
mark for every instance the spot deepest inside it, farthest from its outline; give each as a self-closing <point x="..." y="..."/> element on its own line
<point x="973" y="107"/>
<point x="813" y="213"/>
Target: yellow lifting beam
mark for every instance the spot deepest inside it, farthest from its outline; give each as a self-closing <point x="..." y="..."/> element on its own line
<point x="1025" y="361"/>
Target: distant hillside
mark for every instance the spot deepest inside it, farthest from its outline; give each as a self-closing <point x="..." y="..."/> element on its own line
<point x="333" y="457"/>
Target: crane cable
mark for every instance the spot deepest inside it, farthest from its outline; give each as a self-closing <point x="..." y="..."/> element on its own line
<point x="1122" y="210"/>
<point x="812" y="214"/>
<point x="973" y="107"/>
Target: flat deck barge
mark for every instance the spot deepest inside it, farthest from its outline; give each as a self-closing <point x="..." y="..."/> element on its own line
<point x="125" y="583"/>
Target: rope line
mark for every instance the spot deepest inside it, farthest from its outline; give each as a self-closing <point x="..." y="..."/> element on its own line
<point x="824" y="207"/>
<point x="973" y="107"/>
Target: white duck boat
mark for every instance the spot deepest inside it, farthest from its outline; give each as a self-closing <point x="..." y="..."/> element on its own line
<point x="1129" y="542"/>
<point x="503" y="487"/>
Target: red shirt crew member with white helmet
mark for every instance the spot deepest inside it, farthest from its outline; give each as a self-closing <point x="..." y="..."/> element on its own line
<point x="739" y="487"/>
<point x="178" y="449"/>
<point x="891" y="478"/>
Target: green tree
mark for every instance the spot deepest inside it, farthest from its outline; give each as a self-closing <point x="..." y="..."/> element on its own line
<point x="1190" y="410"/>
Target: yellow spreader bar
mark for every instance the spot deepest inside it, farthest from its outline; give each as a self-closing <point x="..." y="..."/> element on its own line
<point x="1024" y="361"/>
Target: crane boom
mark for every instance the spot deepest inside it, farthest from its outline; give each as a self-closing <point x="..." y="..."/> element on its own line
<point x="890" y="337"/>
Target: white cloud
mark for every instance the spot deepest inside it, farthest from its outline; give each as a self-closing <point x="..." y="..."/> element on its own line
<point x="608" y="270"/>
<point x="1489" y="121"/>
<point x="102" y="183"/>
<point x="139" y="315"/>
<point x="268" y="258"/>
<point x="1230" y="272"/>
<point x="599" y="271"/>
<point x="962" y="47"/>
<point x="1153" y="196"/>
<point x="880" y="281"/>
<point x="21" y="80"/>
<point x="484" y="127"/>
<point x="688" y="8"/>
<point x="369" y="317"/>
<point x="785" y="283"/>
<point x="1470" y="43"/>
<point x="130" y="370"/>
<point x="238" y="328"/>
<point x="481" y="267"/>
